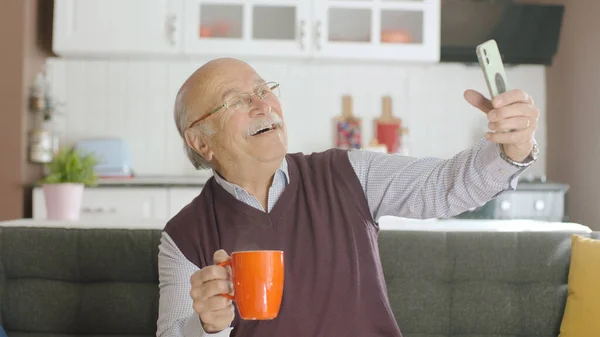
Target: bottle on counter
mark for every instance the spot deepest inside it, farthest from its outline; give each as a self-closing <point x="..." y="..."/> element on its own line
<point x="347" y="127"/>
<point x="387" y="126"/>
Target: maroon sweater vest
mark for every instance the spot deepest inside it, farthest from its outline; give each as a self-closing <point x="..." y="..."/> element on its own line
<point x="334" y="283"/>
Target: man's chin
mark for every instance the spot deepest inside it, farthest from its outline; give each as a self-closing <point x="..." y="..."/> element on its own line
<point x="271" y="153"/>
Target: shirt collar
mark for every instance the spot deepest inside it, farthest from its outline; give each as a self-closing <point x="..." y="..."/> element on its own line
<point x="281" y="175"/>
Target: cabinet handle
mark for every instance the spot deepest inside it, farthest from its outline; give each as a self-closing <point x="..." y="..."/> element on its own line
<point x="171" y="29"/>
<point x="318" y="34"/>
<point x="302" y="34"/>
<point x="539" y="205"/>
<point x="99" y="210"/>
<point x="505" y="205"/>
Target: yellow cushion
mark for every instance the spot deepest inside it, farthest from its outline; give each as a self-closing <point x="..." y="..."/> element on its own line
<point x="582" y="312"/>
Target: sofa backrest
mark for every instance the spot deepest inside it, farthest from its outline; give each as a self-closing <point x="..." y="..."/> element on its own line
<point x="78" y="281"/>
<point x="104" y="281"/>
<point x="477" y="284"/>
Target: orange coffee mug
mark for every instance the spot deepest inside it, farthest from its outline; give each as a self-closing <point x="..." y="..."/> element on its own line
<point x="257" y="283"/>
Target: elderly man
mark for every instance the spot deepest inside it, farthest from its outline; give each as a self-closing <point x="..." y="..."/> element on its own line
<point x="320" y="209"/>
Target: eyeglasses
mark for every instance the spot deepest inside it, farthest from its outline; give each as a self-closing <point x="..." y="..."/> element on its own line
<point x="243" y="101"/>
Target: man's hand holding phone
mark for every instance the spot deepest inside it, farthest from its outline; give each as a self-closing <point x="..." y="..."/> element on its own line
<point x="512" y="114"/>
<point x="513" y="110"/>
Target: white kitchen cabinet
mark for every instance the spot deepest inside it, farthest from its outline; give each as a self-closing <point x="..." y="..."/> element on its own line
<point x="179" y="197"/>
<point x="117" y="27"/>
<point x="153" y="203"/>
<point x="126" y="203"/>
<point x="247" y="27"/>
<point x="401" y="30"/>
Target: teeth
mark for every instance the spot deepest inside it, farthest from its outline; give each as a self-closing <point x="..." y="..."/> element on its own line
<point x="264" y="129"/>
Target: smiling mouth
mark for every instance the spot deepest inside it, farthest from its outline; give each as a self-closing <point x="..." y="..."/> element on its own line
<point x="265" y="130"/>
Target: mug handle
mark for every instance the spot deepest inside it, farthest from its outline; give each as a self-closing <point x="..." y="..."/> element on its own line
<point x="225" y="264"/>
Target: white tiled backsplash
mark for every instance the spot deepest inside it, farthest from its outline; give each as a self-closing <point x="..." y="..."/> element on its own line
<point x="133" y="100"/>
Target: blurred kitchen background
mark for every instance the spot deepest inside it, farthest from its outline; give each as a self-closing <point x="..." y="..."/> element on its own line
<point x="104" y="75"/>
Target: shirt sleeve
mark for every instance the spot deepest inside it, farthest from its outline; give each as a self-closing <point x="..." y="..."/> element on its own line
<point x="429" y="187"/>
<point x="176" y="317"/>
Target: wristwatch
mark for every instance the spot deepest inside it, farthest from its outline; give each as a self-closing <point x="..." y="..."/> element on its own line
<point x="525" y="163"/>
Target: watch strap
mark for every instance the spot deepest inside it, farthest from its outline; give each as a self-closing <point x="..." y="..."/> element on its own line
<point x="527" y="162"/>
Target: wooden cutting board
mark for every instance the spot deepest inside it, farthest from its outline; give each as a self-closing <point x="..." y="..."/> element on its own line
<point x="347" y="127"/>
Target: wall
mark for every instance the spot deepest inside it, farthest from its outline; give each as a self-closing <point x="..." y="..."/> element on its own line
<point x="11" y="64"/>
<point x="573" y="83"/>
<point x="24" y="28"/>
<point x="133" y="100"/>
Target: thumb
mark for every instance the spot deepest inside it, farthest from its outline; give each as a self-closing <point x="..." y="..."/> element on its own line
<point x="478" y="100"/>
<point x="220" y="256"/>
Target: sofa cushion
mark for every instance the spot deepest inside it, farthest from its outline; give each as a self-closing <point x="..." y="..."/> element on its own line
<point x="92" y="281"/>
<point x="471" y="284"/>
<point x="582" y="313"/>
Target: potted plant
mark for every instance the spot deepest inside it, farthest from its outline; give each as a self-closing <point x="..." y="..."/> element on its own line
<point x="68" y="174"/>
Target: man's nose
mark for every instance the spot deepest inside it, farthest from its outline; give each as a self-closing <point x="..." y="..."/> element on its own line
<point x="258" y="107"/>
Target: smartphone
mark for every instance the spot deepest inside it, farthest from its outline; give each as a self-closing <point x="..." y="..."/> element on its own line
<point x="491" y="64"/>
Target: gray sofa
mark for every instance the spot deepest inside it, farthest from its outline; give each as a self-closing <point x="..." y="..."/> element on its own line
<point x="100" y="282"/>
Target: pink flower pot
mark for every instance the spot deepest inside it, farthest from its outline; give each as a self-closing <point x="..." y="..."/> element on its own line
<point x="63" y="201"/>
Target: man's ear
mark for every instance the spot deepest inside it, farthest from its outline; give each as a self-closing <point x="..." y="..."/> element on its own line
<point x="199" y="143"/>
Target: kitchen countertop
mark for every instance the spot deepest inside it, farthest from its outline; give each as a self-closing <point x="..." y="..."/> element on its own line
<point x="199" y="180"/>
<point x="539" y="186"/>
<point x="155" y="181"/>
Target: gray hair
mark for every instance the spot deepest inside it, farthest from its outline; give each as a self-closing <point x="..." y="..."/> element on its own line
<point x="182" y="120"/>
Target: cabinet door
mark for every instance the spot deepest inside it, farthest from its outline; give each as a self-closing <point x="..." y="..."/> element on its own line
<point x="119" y="202"/>
<point x="179" y="197"/>
<point x="117" y="27"/>
<point x="247" y="27"/>
<point x="402" y="30"/>
<point x="533" y="205"/>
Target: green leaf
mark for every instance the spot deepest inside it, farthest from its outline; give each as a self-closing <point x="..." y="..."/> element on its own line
<point x="70" y="166"/>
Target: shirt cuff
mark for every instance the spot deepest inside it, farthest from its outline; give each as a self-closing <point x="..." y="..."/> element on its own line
<point x="494" y="167"/>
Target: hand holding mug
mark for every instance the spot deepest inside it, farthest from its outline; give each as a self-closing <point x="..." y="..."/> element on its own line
<point x="216" y="312"/>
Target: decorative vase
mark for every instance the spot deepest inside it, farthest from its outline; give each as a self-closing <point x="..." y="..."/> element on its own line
<point x="63" y="201"/>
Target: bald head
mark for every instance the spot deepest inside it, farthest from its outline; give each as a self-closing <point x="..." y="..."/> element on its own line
<point x="202" y="91"/>
<point x="205" y="87"/>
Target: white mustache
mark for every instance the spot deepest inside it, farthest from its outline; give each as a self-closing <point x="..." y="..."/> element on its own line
<point x="271" y="119"/>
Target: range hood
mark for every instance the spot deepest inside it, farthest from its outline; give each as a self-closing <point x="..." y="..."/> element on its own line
<point x="526" y="33"/>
